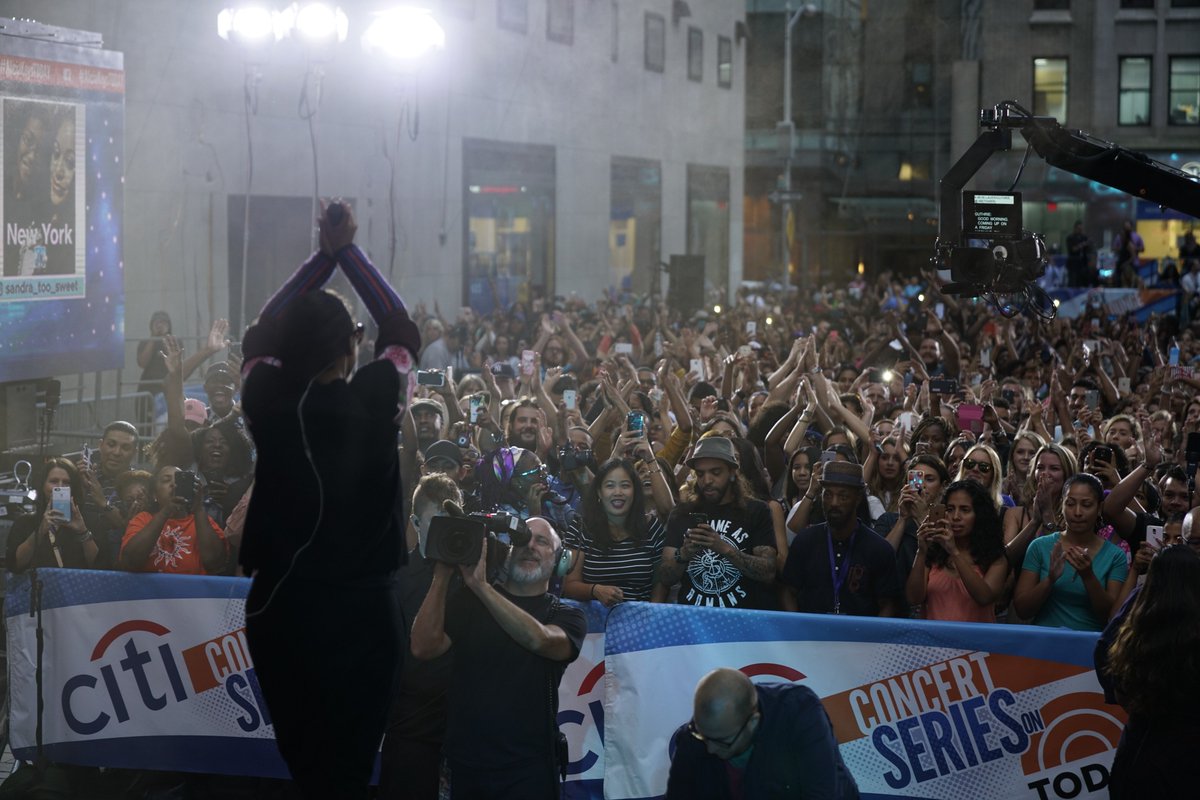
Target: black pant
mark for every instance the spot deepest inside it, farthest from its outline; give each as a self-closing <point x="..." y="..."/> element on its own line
<point x="411" y="770"/>
<point x="327" y="659"/>
<point x="532" y="782"/>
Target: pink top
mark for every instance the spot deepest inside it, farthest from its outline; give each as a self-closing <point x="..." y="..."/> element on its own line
<point x="947" y="599"/>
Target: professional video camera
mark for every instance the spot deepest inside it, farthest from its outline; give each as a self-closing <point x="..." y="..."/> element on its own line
<point x="570" y="459"/>
<point x="458" y="538"/>
<point x="980" y="237"/>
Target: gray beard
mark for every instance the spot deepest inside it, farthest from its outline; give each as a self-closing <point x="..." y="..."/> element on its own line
<point x="520" y="574"/>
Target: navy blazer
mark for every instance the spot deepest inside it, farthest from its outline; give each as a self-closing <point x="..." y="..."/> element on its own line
<point x="795" y="754"/>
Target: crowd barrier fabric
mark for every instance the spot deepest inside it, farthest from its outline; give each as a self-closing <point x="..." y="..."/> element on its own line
<point x="920" y="709"/>
<point x="153" y="672"/>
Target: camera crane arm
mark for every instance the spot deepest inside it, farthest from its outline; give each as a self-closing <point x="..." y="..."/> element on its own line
<point x="1070" y="150"/>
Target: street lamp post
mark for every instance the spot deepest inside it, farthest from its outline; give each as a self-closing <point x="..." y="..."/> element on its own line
<point x="806" y="10"/>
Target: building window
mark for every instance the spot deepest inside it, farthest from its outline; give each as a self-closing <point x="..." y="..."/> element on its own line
<point x="635" y="224"/>
<point x="1050" y="88"/>
<point x="656" y="42"/>
<point x="1183" y="103"/>
<point x="724" y="62"/>
<point x="920" y="84"/>
<point x="508" y="224"/>
<point x="695" y="54"/>
<point x="513" y="15"/>
<point x="560" y="21"/>
<point x="1133" y="95"/>
<point x="616" y="32"/>
<point x="708" y="221"/>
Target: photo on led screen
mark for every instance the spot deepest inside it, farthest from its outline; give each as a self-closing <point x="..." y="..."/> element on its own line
<point x="43" y="200"/>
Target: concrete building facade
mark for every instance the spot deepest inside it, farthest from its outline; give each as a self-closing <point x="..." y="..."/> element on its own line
<point x="553" y="147"/>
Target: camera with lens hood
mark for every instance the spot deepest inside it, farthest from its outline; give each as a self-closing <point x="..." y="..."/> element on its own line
<point x="459" y="539"/>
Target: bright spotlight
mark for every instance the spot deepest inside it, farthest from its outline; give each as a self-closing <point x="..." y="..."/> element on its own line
<point x="249" y="25"/>
<point x="317" y="23"/>
<point x="403" y="34"/>
<point x="716" y="309"/>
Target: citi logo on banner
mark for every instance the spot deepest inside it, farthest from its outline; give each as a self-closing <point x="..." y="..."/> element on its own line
<point x="147" y="668"/>
<point x="138" y="672"/>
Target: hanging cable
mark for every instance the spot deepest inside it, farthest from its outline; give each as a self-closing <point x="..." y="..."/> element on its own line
<point x="250" y="98"/>
<point x="307" y="109"/>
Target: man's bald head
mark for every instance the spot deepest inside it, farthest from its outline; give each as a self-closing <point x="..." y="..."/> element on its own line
<point x="722" y="710"/>
<point x="1188" y="533"/>
<point x="723" y="693"/>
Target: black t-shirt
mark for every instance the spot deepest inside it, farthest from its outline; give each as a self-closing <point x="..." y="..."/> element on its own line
<point x="327" y="501"/>
<point x="419" y="710"/>
<point x="68" y="543"/>
<point x="712" y="580"/>
<point x="868" y="567"/>
<point x="504" y="698"/>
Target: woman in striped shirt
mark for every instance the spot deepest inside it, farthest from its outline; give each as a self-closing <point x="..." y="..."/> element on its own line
<point x="620" y="544"/>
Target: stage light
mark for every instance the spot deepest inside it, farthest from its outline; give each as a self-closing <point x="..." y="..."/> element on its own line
<point x="404" y="33"/>
<point x="249" y="25"/>
<point x="316" y="23"/>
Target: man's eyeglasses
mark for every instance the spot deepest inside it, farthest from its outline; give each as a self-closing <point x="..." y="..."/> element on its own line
<point x="984" y="467"/>
<point x="698" y="736"/>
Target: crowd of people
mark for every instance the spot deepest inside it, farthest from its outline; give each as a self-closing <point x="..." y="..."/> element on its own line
<point x="876" y="448"/>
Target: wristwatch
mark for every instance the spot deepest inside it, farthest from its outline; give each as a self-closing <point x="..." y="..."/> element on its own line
<point x="85" y="537"/>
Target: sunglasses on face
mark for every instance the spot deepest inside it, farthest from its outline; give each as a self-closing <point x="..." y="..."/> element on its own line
<point x="983" y="467"/>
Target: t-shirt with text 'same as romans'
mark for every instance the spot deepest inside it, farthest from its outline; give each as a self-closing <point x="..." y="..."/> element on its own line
<point x="710" y="579"/>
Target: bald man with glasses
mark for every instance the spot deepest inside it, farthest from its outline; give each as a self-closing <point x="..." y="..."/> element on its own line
<point x="750" y="741"/>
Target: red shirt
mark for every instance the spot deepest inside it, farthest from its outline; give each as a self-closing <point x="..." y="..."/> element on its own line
<point x="176" y="550"/>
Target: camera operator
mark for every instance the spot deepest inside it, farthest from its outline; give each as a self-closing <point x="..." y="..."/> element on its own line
<point x="512" y="642"/>
<point x="412" y="747"/>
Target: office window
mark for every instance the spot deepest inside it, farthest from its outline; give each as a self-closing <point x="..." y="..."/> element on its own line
<point x="656" y="42"/>
<point x="616" y="32"/>
<point x="513" y="15"/>
<point x="560" y="21"/>
<point x="1051" y="5"/>
<point x="1133" y="94"/>
<point x="1183" y="91"/>
<point x="695" y="54"/>
<point x="1050" y="88"/>
<point x="724" y="62"/>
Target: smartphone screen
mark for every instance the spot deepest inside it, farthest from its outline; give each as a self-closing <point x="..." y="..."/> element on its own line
<point x="527" y="357"/>
<point x="1173" y="357"/>
<point x="635" y="422"/>
<point x="1093" y="399"/>
<point x="476" y="404"/>
<point x="695" y="520"/>
<point x="1124" y="385"/>
<point x="60" y="500"/>
<point x="970" y="417"/>
<point x="751" y="327"/>
<point x="906" y="419"/>
<point x="624" y="348"/>
<point x="1154" y="535"/>
<point x="940" y="310"/>
<point x="697" y="366"/>
<point x="569" y="398"/>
